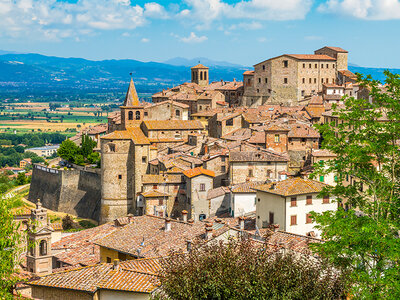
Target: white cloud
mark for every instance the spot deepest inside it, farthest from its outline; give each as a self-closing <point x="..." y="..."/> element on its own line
<point x="192" y="38"/>
<point x="51" y="19"/>
<point x="207" y="11"/>
<point x="363" y="9"/>
<point x="145" y="40"/>
<point x="246" y="26"/>
<point x="262" y="40"/>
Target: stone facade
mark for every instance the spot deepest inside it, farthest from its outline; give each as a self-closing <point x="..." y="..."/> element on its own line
<point x="200" y="75"/>
<point x="290" y="78"/>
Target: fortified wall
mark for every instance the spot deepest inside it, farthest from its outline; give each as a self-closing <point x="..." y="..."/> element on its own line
<point x="76" y="192"/>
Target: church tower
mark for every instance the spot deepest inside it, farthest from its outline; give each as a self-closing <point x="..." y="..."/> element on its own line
<point x="39" y="256"/>
<point x="200" y="75"/>
<point x="132" y="109"/>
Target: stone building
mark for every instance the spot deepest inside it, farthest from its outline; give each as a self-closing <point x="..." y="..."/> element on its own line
<point x="224" y="123"/>
<point x="200" y="75"/>
<point x="39" y="258"/>
<point x="290" y="78"/>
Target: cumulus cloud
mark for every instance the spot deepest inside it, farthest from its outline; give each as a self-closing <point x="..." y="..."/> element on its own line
<point x="363" y="9"/>
<point x="192" y="38"/>
<point x="51" y="19"/>
<point x="207" y="11"/>
<point x="145" y="40"/>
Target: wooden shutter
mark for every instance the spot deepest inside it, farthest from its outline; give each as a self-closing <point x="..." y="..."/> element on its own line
<point x="293" y="220"/>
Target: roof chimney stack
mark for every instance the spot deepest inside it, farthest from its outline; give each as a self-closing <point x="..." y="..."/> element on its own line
<point x="184" y="215"/>
<point x="209" y="231"/>
<point x="167" y="224"/>
<point x="189" y="245"/>
<point x="116" y="264"/>
<point x="241" y="223"/>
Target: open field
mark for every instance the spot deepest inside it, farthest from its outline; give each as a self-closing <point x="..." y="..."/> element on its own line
<point x="28" y="126"/>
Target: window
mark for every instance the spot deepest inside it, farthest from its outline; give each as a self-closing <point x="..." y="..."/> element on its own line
<point x="276" y="138"/>
<point x="322" y="80"/>
<point x="325" y="200"/>
<point x="308" y="219"/>
<point x="177" y="112"/>
<point x="327" y="80"/>
<point x="146" y="113"/>
<point x="119" y="176"/>
<point x="304" y="80"/>
<point x="309" y="200"/>
<point x="293" y="201"/>
<point x="333" y="65"/>
<point x="43" y="247"/>
<point x="309" y="80"/>
<point x="202" y="187"/>
<point x="263" y="67"/>
<point x="285" y="80"/>
<point x="144" y="159"/>
<point x="327" y="66"/>
<point x="137" y="114"/>
<point x="309" y="66"/>
<point x="160" y="202"/>
<point x="315" y="80"/>
<point x="229" y="122"/>
<point x="223" y="169"/>
<point x="222" y="158"/>
<point x="293" y="220"/>
<point x="130" y="115"/>
<point x="321" y="178"/>
<point x="316" y="66"/>
<point x="154" y="186"/>
<point x="285" y="63"/>
<point x="266" y="80"/>
<point x="108" y="259"/>
<point x="111" y="147"/>
<point x="250" y="173"/>
<point x="304" y="66"/>
<point x="259" y="80"/>
<point x="201" y="75"/>
<point x="322" y="66"/>
<point x="271" y="217"/>
<point x="302" y="93"/>
<point x="205" y="75"/>
<point x="258" y="90"/>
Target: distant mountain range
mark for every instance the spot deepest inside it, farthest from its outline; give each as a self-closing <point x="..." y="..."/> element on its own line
<point x="35" y="74"/>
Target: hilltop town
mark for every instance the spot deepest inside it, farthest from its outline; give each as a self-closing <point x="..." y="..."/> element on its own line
<point x="203" y="162"/>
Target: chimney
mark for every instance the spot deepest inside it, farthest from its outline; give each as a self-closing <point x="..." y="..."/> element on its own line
<point x="116" y="264"/>
<point x="191" y="221"/>
<point x="167" y="224"/>
<point x="189" y="245"/>
<point x="184" y="215"/>
<point x="241" y="223"/>
<point x="209" y="231"/>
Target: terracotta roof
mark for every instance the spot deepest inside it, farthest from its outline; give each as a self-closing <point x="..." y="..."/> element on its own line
<point x="311" y="56"/>
<point x="199" y="66"/>
<point x="135" y="134"/>
<point x="131" y="98"/>
<point x="101" y="128"/>
<point x="174" y="103"/>
<point x="154" y="194"/>
<point x="217" y="192"/>
<point x="246" y="187"/>
<point x="153" y="178"/>
<point x="292" y="186"/>
<point x="139" y="276"/>
<point x="148" y="234"/>
<point x="248" y="73"/>
<point x="173" y="125"/>
<point x="57" y="226"/>
<point x="315" y="112"/>
<point x="348" y="73"/>
<point x="257" y="138"/>
<point x="338" y="49"/>
<point x="298" y="130"/>
<point x="198" y="171"/>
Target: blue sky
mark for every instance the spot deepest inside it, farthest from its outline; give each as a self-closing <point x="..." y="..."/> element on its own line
<point x="243" y="32"/>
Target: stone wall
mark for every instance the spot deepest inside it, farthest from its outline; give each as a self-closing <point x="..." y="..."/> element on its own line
<point x="76" y="192"/>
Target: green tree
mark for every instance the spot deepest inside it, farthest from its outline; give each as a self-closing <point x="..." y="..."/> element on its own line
<point x="21" y="178"/>
<point x="246" y="270"/>
<point x="10" y="240"/>
<point x="87" y="145"/>
<point x="68" y="150"/>
<point x="362" y="238"/>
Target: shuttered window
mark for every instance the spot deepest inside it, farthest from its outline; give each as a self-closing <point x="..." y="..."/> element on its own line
<point x="293" y="220"/>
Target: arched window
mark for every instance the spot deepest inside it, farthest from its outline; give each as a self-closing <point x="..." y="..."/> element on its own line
<point x="43" y="247"/>
<point x="130" y="115"/>
<point x="205" y="75"/>
<point x="137" y="115"/>
<point x="201" y="75"/>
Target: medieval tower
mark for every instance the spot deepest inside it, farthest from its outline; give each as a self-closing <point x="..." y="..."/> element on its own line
<point x="200" y="75"/>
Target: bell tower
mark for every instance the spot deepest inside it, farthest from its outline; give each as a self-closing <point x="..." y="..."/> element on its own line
<point x="39" y="257"/>
<point x="200" y="75"/>
<point x="132" y="109"/>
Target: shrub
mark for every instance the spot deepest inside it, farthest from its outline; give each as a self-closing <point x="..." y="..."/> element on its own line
<point x="67" y="222"/>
